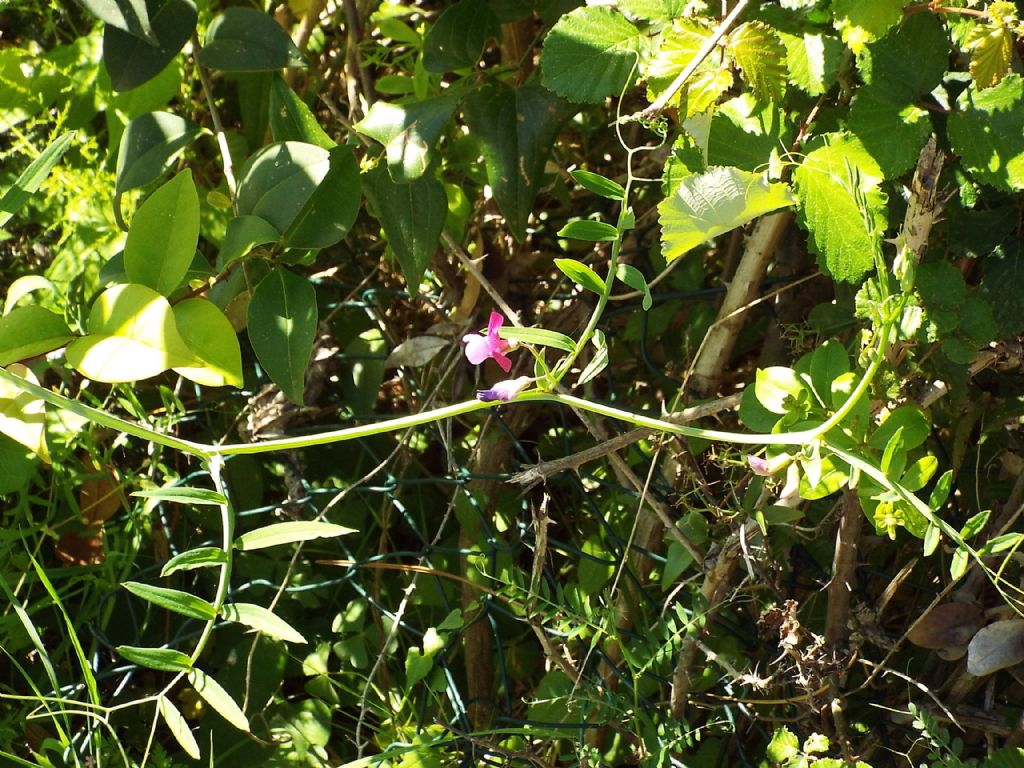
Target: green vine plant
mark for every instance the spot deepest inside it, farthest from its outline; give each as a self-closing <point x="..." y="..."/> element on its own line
<point x="161" y="307"/>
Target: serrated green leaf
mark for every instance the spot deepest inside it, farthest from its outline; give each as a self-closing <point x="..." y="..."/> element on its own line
<point x="457" y="39"/>
<point x="412" y="217"/>
<point x="164" y="659"/>
<point x="409" y="132"/>
<point x="131" y="61"/>
<point x="783" y="746"/>
<point x="598" y="184"/>
<point x="181" y="494"/>
<point x="892" y="133"/>
<point x="178" y="727"/>
<point x="589" y="231"/>
<point x="813" y="61"/>
<point x="517" y="128"/>
<point x="289" y="533"/>
<point x="635" y="279"/>
<point x="991" y="47"/>
<point x="921" y="39"/>
<point x="242" y="39"/>
<point x="709" y="204"/>
<point x="863" y="21"/>
<point x="744" y="133"/>
<point x="163" y="236"/>
<point x="677" y="47"/>
<point x="828" y="208"/>
<point x="173" y="600"/>
<point x="148" y="147"/>
<point x="220" y="700"/>
<point x="988" y="133"/>
<point x="29" y="181"/>
<point x="29" y="331"/>
<point x="590" y="54"/>
<point x="581" y="274"/>
<point x="200" y="557"/>
<point x="263" y="620"/>
<point x="539" y="337"/>
<point x="282" y="320"/>
<point x="761" y="57"/>
<point x="1000" y="287"/>
<point x="132" y="336"/>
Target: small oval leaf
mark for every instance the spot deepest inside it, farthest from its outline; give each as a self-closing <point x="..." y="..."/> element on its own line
<point x="289" y="533"/>
<point x="247" y="40"/>
<point x="591" y="231"/>
<point x="178" y="727"/>
<point x="200" y="557"/>
<point x="184" y="495"/>
<point x="220" y="700"/>
<point x="262" y="620"/>
<point x="164" y="659"/>
<point x="148" y="147"/>
<point x="582" y="275"/>
<point x="173" y="600"/>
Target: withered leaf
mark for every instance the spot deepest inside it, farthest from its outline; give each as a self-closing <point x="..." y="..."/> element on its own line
<point x="947" y="627"/>
<point x="997" y="646"/>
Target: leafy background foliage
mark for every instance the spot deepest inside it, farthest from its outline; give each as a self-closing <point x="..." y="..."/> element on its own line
<point x="237" y="223"/>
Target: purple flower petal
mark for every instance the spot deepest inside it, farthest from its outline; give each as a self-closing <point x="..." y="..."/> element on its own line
<point x="504" y="390"/>
<point x="477" y="348"/>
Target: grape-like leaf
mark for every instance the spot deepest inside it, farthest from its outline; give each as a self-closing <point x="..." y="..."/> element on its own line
<point x="709" y="204"/>
<point x="864" y="21"/>
<point x="677" y="47"/>
<point x="991" y="47"/>
<point x="988" y="133"/>
<point x="828" y="210"/>
<point x="589" y="54"/>
<point x="761" y="57"/>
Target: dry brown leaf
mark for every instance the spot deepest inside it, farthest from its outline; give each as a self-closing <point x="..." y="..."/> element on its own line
<point x="99" y="498"/>
<point x="415" y="352"/>
<point x="76" y="549"/>
<point x="948" y="627"/>
<point x="997" y="646"/>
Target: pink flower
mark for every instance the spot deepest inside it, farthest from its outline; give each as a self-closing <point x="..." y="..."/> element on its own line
<point x="480" y="347"/>
<point x="768" y="467"/>
<point x="504" y="390"/>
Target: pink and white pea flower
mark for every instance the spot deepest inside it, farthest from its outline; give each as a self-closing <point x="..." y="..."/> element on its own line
<point x="483" y="346"/>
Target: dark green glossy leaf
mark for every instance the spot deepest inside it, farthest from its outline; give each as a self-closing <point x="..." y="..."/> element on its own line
<point x="408" y="132"/>
<point x="129" y="16"/>
<point x="162" y="239"/>
<point x="331" y="210"/>
<point x="31" y="330"/>
<point x="247" y="40"/>
<point x="457" y="39"/>
<point x="130" y="62"/>
<point x="517" y="128"/>
<point x="292" y="120"/>
<point x="32" y="177"/>
<point x="279" y="180"/>
<point x="412" y="216"/>
<point x="148" y="147"/>
<point x="243" y="234"/>
<point x="282" y="328"/>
